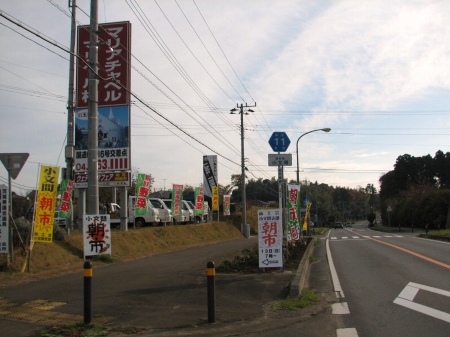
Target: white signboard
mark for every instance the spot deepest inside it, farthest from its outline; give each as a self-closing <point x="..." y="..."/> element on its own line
<point x="270" y="239"/>
<point x="97" y="234"/>
<point x="4" y="220"/>
<point x="280" y="159"/>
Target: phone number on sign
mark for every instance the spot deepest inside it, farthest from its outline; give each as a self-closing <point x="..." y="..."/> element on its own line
<point x="105" y="164"/>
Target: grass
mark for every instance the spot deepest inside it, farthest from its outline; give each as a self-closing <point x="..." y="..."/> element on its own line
<point x="307" y="297"/>
<point x="49" y="259"/>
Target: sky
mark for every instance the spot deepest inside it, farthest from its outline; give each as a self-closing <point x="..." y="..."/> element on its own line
<point x="377" y="73"/>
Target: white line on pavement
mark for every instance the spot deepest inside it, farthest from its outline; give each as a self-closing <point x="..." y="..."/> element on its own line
<point x="349" y="332"/>
<point x="336" y="285"/>
<point x="340" y="308"/>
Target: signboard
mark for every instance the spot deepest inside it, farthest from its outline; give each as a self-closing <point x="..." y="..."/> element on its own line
<point x="143" y="183"/>
<point x="293" y="201"/>
<point x="44" y="217"/>
<point x="106" y="179"/>
<point x="210" y="177"/>
<point x="114" y="59"/>
<point x="279" y="141"/>
<point x="280" y="159"/>
<point x="4" y="219"/>
<point x="270" y="238"/>
<point x="113" y="139"/>
<point x="96" y="235"/>
<point x="226" y="204"/>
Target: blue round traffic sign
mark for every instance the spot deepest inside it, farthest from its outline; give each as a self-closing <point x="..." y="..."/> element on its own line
<point x="279" y="141"/>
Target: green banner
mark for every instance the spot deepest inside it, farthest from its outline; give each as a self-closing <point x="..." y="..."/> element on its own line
<point x="142" y="192"/>
<point x="293" y="206"/>
<point x="65" y="207"/>
<point x="199" y="198"/>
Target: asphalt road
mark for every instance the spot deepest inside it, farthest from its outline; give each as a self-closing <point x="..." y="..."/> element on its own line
<point x="393" y="284"/>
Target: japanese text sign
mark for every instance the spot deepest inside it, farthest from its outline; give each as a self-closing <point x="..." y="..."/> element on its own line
<point x="96" y="234"/>
<point x="114" y="61"/>
<point x="226" y="204"/>
<point x="199" y="197"/>
<point x="210" y="177"/>
<point x="4" y="219"/>
<point x="270" y="238"/>
<point x="46" y="204"/>
<point x="143" y="184"/>
<point x="177" y="196"/>
<point x="293" y="204"/>
<point x="65" y="207"/>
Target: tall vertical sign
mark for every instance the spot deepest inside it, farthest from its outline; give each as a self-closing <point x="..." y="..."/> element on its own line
<point x="199" y="197"/>
<point x="143" y="182"/>
<point x="210" y="178"/>
<point x="4" y="219"/>
<point x="226" y="204"/>
<point x="44" y="217"/>
<point x="293" y="208"/>
<point x="270" y="238"/>
<point x="114" y="57"/>
<point x="177" y="197"/>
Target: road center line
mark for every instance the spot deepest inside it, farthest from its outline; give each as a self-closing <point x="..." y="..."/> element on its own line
<point x="420" y="256"/>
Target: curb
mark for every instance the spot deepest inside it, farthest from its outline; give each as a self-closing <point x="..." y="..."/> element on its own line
<point x="299" y="279"/>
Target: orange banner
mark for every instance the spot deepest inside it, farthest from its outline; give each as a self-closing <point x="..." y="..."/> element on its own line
<point x="46" y="204"/>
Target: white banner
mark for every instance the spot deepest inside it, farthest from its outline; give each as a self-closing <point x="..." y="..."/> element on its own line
<point x="97" y="234"/>
<point x="270" y="238"/>
<point x="210" y="178"/>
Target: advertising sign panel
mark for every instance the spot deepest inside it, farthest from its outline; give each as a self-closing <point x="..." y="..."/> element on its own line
<point x="4" y="219"/>
<point x="96" y="234"/>
<point x="114" y="58"/>
<point x="105" y="179"/>
<point x="270" y="238"/>
<point x="210" y="177"/>
<point x="46" y="204"/>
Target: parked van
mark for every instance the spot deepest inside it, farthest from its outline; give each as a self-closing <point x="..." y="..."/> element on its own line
<point x="165" y="214"/>
<point x="190" y="209"/>
<point x="183" y="217"/>
<point x="152" y="216"/>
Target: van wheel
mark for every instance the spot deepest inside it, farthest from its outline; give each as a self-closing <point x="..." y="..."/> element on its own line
<point x="139" y="222"/>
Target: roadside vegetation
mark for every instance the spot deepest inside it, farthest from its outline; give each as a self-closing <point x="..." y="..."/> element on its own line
<point x="307" y="297"/>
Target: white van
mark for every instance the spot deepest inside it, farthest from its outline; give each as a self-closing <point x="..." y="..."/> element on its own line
<point x="152" y="216"/>
<point x="165" y="214"/>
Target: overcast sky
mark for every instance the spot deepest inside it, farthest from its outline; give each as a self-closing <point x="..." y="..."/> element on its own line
<point x="376" y="72"/>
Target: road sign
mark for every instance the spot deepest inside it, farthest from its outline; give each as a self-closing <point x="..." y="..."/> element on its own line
<point x="280" y="159"/>
<point x="14" y="162"/>
<point x="279" y="141"/>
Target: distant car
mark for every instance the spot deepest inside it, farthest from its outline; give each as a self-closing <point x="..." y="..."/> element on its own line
<point x="348" y="224"/>
<point x="61" y="222"/>
<point x="338" y="225"/>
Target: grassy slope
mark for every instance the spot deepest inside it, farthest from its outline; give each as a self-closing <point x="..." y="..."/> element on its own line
<point x="66" y="256"/>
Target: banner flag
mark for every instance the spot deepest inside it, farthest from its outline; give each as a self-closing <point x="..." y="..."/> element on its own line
<point x="177" y="196"/>
<point x="44" y="217"/>
<point x="65" y="207"/>
<point x="199" y="198"/>
<point x="142" y="191"/>
<point x="293" y="197"/>
<point x="226" y="204"/>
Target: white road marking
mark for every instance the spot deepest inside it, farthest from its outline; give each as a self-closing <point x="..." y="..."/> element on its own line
<point x="340" y="308"/>
<point x="349" y="332"/>
<point x="333" y="238"/>
<point x="388" y="236"/>
<point x="398" y="236"/>
<point x="377" y="236"/>
<point x="366" y="236"/>
<point x="406" y="298"/>
<point x="345" y="237"/>
<point x="355" y="237"/>
<point x="336" y="284"/>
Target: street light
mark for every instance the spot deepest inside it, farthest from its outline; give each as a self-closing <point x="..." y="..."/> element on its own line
<point x="298" y="179"/>
<point x="244" y="226"/>
<point x="324" y="130"/>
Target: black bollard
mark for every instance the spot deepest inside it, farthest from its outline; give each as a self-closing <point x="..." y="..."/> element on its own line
<point x="87" y="292"/>
<point x="210" y="275"/>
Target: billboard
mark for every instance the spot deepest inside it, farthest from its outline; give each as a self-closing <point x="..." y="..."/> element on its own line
<point x="270" y="238"/>
<point x="114" y="61"/>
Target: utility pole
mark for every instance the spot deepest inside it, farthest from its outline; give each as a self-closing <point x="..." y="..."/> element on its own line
<point x="70" y="107"/>
<point x="92" y="197"/>
<point x="245" y="229"/>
